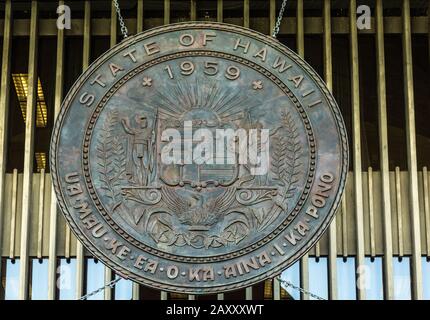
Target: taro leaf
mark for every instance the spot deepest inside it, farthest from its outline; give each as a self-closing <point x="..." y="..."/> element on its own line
<point x="160" y="231"/>
<point x="208" y="242"/>
<point x="236" y="232"/>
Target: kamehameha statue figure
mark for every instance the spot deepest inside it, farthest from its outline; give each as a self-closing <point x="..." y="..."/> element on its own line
<point x="140" y="150"/>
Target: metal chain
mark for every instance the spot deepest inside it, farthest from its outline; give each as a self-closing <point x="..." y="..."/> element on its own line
<point x="115" y="281"/>
<point x="109" y="284"/>
<point x="124" y="29"/>
<point x="275" y="32"/>
<point x="308" y="293"/>
<point x="279" y="20"/>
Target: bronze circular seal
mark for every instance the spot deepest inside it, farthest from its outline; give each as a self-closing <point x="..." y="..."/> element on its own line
<point x="199" y="157"/>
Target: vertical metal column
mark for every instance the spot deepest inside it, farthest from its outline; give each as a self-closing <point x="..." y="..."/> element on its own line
<point x="59" y="79"/>
<point x="272" y="15"/>
<point x="399" y="213"/>
<point x="166" y="11"/>
<point x="136" y="291"/>
<point x="356" y="141"/>
<point x="107" y="293"/>
<point x="113" y="25"/>
<point x="383" y="153"/>
<point x="246" y="13"/>
<point x="4" y="110"/>
<point x="426" y="209"/>
<point x="193" y="10"/>
<point x="40" y="216"/>
<point x="87" y="36"/>
<point x="328" y="76"/>
<point x="300" y="29"/>
<point x="371" y="212"/>
<point x="219" y="11"/>
<point x="417" y="285"/>
<point x="139" y="25"/>
<point x="13" y="214"/>
<point x="344" y="229"/>
<point x="28" y="153"/>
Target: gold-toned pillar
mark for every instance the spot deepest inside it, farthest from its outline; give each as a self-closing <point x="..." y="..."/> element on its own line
<point x="300" y="39"/>
<point x="426" y="196"/>
<point x="14" y="209"/>
<point x="219" y="11"/>
<point x="246" y="13"/>
<point x="272" y="15"/>
<point x="166" y="11"/>
<point x="4" y="110"/>
<point x="417" y="285"/>
<point x="356" y="141"/>
<point x="139" y="26"/>
<point x="67" y="240"/>
<point x="328" y="76"/>
<point x="136" y="291"/>
<point x="248" y="293"/>
<point x="276" y="288"/>
<point x="40" y="215"/>
<point x="193" y="10"/>
<point x="399" y="213"/>
<point x="113" y="25"/>
<point x="53" y="217"/>
<point x="87" y="36"/>
<point x="371" y="212"/>
<point x="344" y="229"/>
<point x="28" y="154"/>
<point x="383" y="153"/>
<point x="107" y="293"/>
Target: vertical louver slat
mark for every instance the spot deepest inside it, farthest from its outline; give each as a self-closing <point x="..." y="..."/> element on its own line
<point x="29" y="153"/>
<point x="53" y="216"/>
<point x="328" y="77"/>
<point x="4" y="113"/>
<point x="383" y="153"/>
<point x="356" y="142"/>
<point x="411" y="152"/>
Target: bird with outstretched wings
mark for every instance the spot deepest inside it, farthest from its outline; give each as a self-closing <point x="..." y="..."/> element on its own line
<point x="195" y="209"/>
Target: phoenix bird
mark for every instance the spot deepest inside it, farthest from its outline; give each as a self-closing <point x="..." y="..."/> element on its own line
<point x="197" y="212"/>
